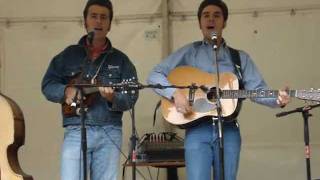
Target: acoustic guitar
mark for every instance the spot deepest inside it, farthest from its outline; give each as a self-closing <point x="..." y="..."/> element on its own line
<point x="204" y="103"/>
<point x="12" y="133"/>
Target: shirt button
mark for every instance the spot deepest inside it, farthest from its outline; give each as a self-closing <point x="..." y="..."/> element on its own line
<point x="110" y="75"/>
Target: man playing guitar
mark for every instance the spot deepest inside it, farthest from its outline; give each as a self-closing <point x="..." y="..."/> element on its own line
<point x="201" y="140"/>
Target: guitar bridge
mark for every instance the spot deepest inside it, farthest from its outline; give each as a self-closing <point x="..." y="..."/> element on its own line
<point x="192" y="91"/>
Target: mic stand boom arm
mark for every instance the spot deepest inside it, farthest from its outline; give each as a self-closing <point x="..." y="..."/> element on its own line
<point x="305" y="114"/>
<point x="134" y="86"/>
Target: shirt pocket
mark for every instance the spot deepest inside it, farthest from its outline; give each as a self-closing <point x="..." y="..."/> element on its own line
<point x="110" y="76"/>
<point x="72" y="74"/>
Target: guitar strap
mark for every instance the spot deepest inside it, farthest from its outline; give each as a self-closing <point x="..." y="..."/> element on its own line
<point x="235" y="57"/>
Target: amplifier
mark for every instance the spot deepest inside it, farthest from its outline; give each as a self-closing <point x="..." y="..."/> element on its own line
<point x="161" y="147"/>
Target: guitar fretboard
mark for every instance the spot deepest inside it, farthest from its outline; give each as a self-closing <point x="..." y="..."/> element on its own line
<point x="233" y="94"/>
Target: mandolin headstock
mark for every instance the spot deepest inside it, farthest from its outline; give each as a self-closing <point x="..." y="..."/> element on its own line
<point x="128" y="86"/>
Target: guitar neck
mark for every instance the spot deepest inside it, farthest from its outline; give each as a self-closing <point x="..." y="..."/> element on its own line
<point x="234" y="94"/>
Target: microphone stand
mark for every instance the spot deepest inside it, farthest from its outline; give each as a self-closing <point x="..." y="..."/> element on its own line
<point x="219" y="120"/>
<point x="133" y="139"/>
<point x="83" y="130"/>
<point x="83" y="135"/>
<point x="127" y="87"/>
<point x="305" y="114"/>
<point x="82" y="112"/>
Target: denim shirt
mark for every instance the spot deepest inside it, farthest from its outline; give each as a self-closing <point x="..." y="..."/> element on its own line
<point x="199" y="54"/>
<point x="115" y="68"/>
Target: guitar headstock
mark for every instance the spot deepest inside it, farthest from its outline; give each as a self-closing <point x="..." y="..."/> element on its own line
<point x="309" y="95"/>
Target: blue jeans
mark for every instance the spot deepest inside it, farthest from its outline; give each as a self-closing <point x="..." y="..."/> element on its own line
<point x="103" y="155"/>
<point x="202" y="151"/>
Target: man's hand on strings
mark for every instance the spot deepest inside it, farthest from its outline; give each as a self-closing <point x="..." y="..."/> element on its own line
<point x="283" y="97"/>
<point x="107" y="92"/>
<point x="181" y="102"/>
<point x="70" y="94"/>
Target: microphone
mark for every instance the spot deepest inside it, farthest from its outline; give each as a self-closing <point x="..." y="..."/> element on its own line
<point x="90" y="37"/>
<point x="214" y="38"/>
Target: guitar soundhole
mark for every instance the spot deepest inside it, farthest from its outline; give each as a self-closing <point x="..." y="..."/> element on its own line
<point x="212" y="94"/>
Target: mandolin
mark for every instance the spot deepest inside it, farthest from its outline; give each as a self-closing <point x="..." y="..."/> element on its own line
<point x="90" y="92"/>
<point x="88" y="95"/>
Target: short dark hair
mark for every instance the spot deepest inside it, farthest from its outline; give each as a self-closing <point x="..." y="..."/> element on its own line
<point x="218" y="3"/>
<point x="104" y="3"/>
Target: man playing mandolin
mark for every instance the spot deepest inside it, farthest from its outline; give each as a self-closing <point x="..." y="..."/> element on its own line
<point x="92" y="60"/>
<point x="201" y="139"/>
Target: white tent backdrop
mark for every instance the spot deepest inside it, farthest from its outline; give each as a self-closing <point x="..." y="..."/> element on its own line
<point x="282" y="38"/>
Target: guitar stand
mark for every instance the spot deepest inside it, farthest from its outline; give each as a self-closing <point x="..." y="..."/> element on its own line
<point x="305" y="114"/>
